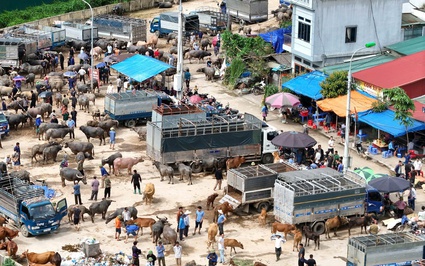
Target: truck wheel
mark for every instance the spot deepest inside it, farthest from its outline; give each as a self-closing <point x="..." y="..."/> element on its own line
<point x="131" y="123"/>
<point x="319" y="228"/>
<point x="400" y="228"/>
<point x="196" y="168"/>
<point x="24" y="231"/>
<point x="268" y="158"/>
<point x="262" y="205"/>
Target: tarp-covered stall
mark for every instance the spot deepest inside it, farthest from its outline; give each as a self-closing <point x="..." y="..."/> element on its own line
<point x="276" y="38"/>
<point x="338" y="105"/>
<point x="307" y="84"/>
<point x="140" y="67"/>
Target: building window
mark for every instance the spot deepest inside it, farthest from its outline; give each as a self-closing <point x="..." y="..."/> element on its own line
<point x="350" y="34"/>
<point x="304" y="31"/>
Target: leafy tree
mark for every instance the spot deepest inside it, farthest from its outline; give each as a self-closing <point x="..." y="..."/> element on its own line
<point x="403" y="106"/>
<point x="335" y="85"/>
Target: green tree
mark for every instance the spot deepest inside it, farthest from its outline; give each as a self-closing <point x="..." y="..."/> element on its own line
<point x="335" y="85"/>
<point x="403" y="106"/>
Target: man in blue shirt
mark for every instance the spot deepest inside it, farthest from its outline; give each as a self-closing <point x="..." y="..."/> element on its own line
<point x="77" y="193"/>
<point x="131" y="229"/>
<point x="199" y="219"/>
<point x="182" y="226"/>
<point x="220" y="221"/>
<point x="112" y="135"/>
<point x="160" y="249"/>
<point x="71" y="124"/>
<point x="187" y="78"/>
<point x="212" y="258"/>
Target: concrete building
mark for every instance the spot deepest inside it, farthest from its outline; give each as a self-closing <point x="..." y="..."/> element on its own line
<point x="327" y="32"/>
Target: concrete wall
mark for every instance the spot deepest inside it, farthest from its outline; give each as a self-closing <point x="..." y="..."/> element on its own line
<point x="86" y="14"/>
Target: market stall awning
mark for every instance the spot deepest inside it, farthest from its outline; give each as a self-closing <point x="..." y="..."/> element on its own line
<point x="386" y="122"/>
<point x="140" y="67"/>
<point x="307" y="84"/>
<point x="338" y="105"/>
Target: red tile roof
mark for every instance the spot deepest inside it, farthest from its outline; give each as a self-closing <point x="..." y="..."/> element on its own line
<point x="399" y="72"/>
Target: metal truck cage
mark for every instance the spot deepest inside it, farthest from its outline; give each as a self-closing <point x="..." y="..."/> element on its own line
<point x="121" y="28"/>
<point x="385" y="249"/>
<point x="10" y="47"/>
<point x="211" y="19"/>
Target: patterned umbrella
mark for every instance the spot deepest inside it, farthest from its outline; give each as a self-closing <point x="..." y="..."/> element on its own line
<point x="368" y="174"/>
<point x="195" y="99"/>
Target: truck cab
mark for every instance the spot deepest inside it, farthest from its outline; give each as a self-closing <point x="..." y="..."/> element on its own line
<point x="268" y="133"/>
<point x="373" y="200"/>
<point x="41" y="217"/>
<point x="154" y="25"/>
<point x="4" y="124"/>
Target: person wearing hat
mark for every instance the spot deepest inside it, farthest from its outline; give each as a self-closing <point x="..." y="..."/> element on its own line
<point x="212" y="258"/>
<point x="149" y="262"/>
<point x="135" y="254"/>
<point x="38" y="122"/>
<point x="151" y="258"/>
<point x="112" y="135"/>
<point x="278" y="245"/>
<point x="220" y="221"/>
<point x="186" y="222"/>
<point x="118" y="227"/>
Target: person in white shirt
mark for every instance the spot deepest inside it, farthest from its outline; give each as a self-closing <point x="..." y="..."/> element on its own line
<point x="178" y="253"/>
<point x="195" y="46"/>
<point x="331" y="144"/>
<point x="220" y="245"/>
<point x="317" y="156"/>
<point x="278" y="245"/>
<point x="421" y="215"/>
<point x="126" y="216"/>
<point x="418" y="166"/>
<point x="412" y="197"/>
<point x="82" y="74"/>
<point x="109" y="49"/>
<point x="110" y="88"/>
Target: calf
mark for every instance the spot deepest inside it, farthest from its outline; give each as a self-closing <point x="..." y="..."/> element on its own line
<point x="298" y="237"/>
<point x="212" y="232"/>
<point x="334" y="223"/>
<point x="234" y="162"/>
<point x="263" y="217"/>
<point x="226" y="207"/>
<point x="210" y="200"/>
<point x="143" y="222"/>
<point x="11" y="248"/>
<point x="232" y="243"/>
<point x="285" y="228"/>
<point x="7" y="233"/>
<point x="39" y="258"/>
<point x="310" y="235"/>
<point x="362" y="221"/>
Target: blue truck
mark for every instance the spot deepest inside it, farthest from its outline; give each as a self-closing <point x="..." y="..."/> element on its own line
<point x="28" y="208"/>
<point x="168" y="22"/>
<point x="4" y="125"/>
<point x="131" y="108"/>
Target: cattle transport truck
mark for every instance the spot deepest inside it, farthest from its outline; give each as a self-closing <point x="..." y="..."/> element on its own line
<point x="13" y="49"/>
<point x="386" y="250"/>
<point x="121" y="28"/>
<point x="186" y="134"/>
<point x="253" y="186"/>
<point x="312" y="196"/>
<point x="251" y="11"/>
<point x="28" y="208"/>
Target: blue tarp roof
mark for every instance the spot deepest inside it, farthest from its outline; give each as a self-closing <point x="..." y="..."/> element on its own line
<point x="140" y="67"/>
<point x="307" y="84"/>
<point x="277" y="38"/>
<point x="386" y="121"/>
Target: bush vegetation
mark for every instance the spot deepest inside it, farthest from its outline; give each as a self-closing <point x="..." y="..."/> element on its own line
<point x="14" y="17"/>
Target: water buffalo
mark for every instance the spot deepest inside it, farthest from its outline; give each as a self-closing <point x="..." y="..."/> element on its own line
<point x="204" y="165"/>
<point x="82" y="156"/>
<point x="71" y="175"/>
<point x="185" y="170"/>
<point x="199" y="54"/>
<point x="83" y="88"/>
<point x="121" y="163"/>
<point x="208" y="71"/>
<point x="100" y="207"/>
<point x="39" y="148"/>
<point x="58" y="133"/>
<point x="32" y="69"/>
<point x="30" y="79"/>
<point x="45" y="108"/>
<point x="169" y="234"/>
<point x="16" y="119"/>
<point x="16" y="105"/>
<point x="94" y="132"/>
<point x="57" y="83"/>
<point x="119" y="211"/>
<point x="77" y="44"/>
<point x="83" y="210"/>
<point x="24" y="175"/>
<point x="205" y="43"/>
<point x="45" y="126"/>
<point x="110" y="160"/>
<point x="106" y="125"/>
<point x="165" y="170"/>
<point x="79" y="146"/>
<point x="83" y="102"/>
<point x="51" y="152"/>
<point x="157" y="229"/>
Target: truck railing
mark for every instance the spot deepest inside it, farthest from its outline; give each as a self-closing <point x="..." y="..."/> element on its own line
<point x="165" y="109"/>
<point x="363" y="242"/>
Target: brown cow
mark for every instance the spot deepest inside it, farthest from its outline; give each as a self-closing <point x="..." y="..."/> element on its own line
<point x="212" y="232"/>
<point x="40" y="258"/>
<point x="285" y="228"/>
<point x="41" y="264"/>
<point x="263" y="217"/>
<point x="257" y="263"/>
<point x="234" y="162"/>
<point x="210" y="200"/>
<point x="148" y="193"/>
<point x="2" y="221"/>
<point x="232" y="243"/>
<point x="334" y="223"/>
<point x="226" y="207"/>
<point x="7" y="232"/>
<point x="142" y="222"/>
<point x="298" y="236"/>
<point x="11" y="248"/>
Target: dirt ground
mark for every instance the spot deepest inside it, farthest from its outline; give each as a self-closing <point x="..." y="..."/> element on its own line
<point x="167" y="198"/>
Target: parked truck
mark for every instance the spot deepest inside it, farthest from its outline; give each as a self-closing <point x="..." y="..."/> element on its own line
<point x="312" y="196"/>
<point x="121" y="28"/>
<point x="181" y="134"/>
<point x="131" y="108"/>
<point x="251" y="11"/>
<point x="58" y="36"/>
<point x="253" y="186"/>
<point x="211" y="19"/>
<point x="80" y="32"/>
<point x="28" y="208"/>
<point x="386" y="250"/>
<point x="168" y="22"/>
<point x="14" y="49"/>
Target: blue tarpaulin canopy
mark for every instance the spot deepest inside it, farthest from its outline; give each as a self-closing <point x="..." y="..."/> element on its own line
<point x="140" y="67"/>
<point x="386" y="121"/>
<point x="307" y="84"/>
<point x="277" y="38"/>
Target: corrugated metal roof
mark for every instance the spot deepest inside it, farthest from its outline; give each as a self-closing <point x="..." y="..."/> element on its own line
<point x="399" y="72"/>
<point x="410" y="19"/>
<point x="409" y="47"/>
<point x="359" y="65"/>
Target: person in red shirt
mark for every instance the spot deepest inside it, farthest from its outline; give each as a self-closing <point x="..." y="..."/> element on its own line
<point x="156" y="53"/>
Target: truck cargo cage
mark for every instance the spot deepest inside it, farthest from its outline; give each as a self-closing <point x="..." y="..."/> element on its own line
<point x="19" y="189"/>
<point x="122" y="28"/>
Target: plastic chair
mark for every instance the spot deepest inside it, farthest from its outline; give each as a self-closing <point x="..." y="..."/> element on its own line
<point x="310" y="122"/>
<point x="387" y="154"/>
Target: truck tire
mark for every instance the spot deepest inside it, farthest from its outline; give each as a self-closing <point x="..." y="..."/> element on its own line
<point x="196" y="168"/>
<point x="318" y="228"/>
<point x="24" y="231"/>
<point x="264" y="204"/>
<point x="267" y="158"/>
<point x="130" y="123"/>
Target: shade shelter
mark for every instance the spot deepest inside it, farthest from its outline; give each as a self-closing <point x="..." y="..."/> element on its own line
<point x="141" y="67"/>
<point x="307" y="84"/>
<point x="338" y="105"/>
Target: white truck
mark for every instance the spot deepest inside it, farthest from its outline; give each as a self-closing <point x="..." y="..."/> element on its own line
<point x="121" y="28"/>
<point x="251" y="11"/>
<point x="186" y="134"/>
<point x="80" y="32"/>
<point x="14" y="49"/>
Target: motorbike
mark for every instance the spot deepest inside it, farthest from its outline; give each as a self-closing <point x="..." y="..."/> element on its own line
<point x="258" y="88"/>
<point x="359" y="148"/>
